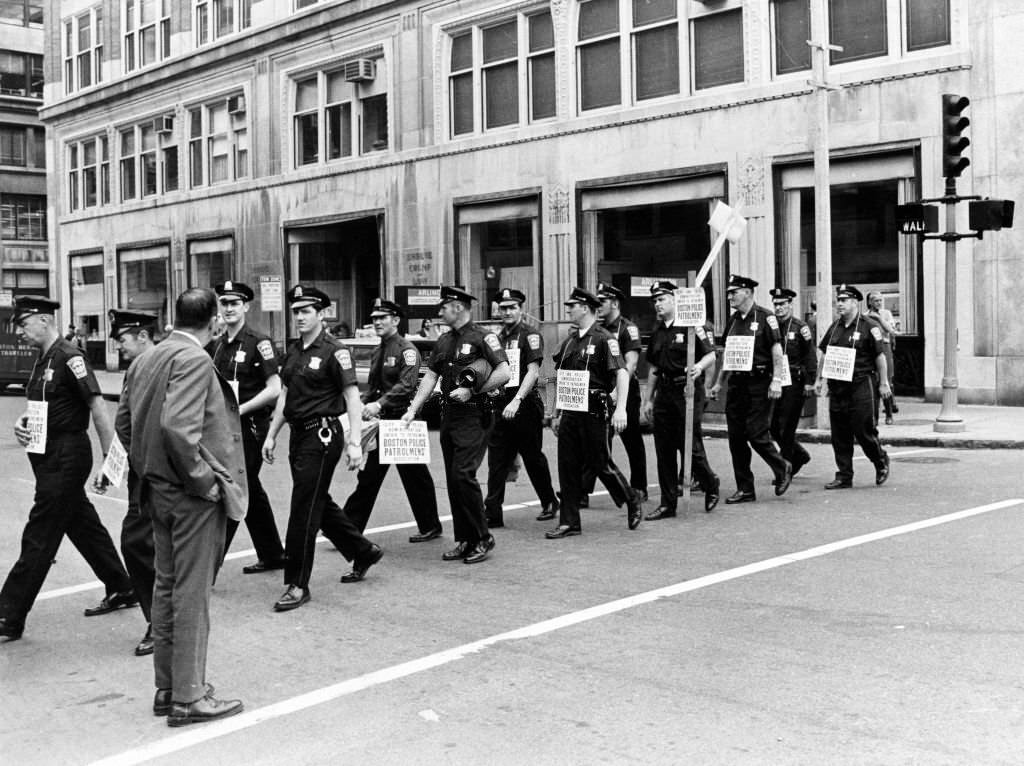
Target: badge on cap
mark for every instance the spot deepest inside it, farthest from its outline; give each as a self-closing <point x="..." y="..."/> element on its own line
<point x="228" y="287"/>
<point x="298" y="291"/>
<point x="506" y="293"/>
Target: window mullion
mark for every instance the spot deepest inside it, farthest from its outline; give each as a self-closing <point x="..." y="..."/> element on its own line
<point x="523" y="67"/>
<point x="627" y="94"/>
<point x="478" y="80"/>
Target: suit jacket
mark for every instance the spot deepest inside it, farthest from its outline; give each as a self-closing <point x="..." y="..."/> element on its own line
<point x="181" y="423"/>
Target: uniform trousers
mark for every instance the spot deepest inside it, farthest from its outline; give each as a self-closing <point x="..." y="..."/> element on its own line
<point x="851" y="411"/>
<point x="523" y="435"/>
<point x="786" y="418"/>
<point x="669" y="421"/>
<point x="632" y="441"/>
<point x="312" y="510"/>
<point x="137" y="547"/>
<point x="748" y="415"/>
<point x="465" y="429"/>
<point x="60" y="507"/>
<point x="259" y="518"/>
<point x="188" y="538"/>
<point x="582" y="447"/>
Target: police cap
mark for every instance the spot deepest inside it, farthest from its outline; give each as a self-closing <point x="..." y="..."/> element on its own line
<point x="605" y="290"/>
<point x="508" y="295"/>
<point x="382" y="307"/>
<point x="736" y="282"/>
<point x="663" y="287"/>
<point x="579" y="295"/>
<point x="848" y="291"/>
<point x="451" y="293"/>
<point x="782" y="294"/>
<point x="27" y="305"/>
<point x="231" y="289"/>
<point x="121" y="320"/>
<point x="301" y="296"/>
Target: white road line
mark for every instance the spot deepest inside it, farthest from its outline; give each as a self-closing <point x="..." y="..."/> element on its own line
<point x="906" y="452"/>
<point x="210" y="731"/>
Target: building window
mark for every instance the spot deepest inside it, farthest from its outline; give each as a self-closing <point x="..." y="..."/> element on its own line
<point x="23" y="216"/>
<point x="209" y="260"/>
<point x="148" y="158"/>
<point x="13" y="142"/>
<point x="143" y="280"/>
<point x="147" y="38"/>
<point x="83" y="50"/>
<point x="859" y="26"/>
<point x="219" y="18"/>
<point x="89" y="173"/>
<point x="21" y="13"/>
<point x="791" y="27"/>
<point x="717" y="49"/>
<point x="26" y="281"/>
<point x="87" y="294"/>
<point x="218" y="141"/>
<point x="541" y="63"/>
<point x="332" y="106"/>
<point x="927" y="24"/>
<point x="21" y="74"/>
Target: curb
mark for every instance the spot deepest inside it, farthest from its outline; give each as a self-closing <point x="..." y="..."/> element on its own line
<point x="816" y="436"/>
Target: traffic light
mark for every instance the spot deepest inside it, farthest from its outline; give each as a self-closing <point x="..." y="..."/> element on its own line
<point x="990" y="214"/>
<point x="953" y="144"/>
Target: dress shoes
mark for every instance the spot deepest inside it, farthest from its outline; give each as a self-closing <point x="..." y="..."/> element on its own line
<point x="584" y="501"/>
<point x="460" y="551"/>
<point x="480" y="551"/>
<point x="783" y="482"/>
<point x="495" y="523"/>
<point x="798" y="464"/>
<point x="145" y="646"/>
<point x="661" y="512"/>
<point x="162" y="700"/>
<point x="635" y="506"/>
<point x="112" y="603"/>
<point x="360" y="568"/>
<point x="202" y="710"/>
<point x="888" y="420"/>
<point x="10" y="630"/>
<point x="839" y="484"/>
<point x="422" y="537"/>
<point x="549" y="511"/>
<point x="711" y="498"/>
<point x="563" y="531"/>
<point x="741" y="497"/>
<point x="263" y="566"/>
<point x="292" y="598"/>
<point x="882" y="472"/>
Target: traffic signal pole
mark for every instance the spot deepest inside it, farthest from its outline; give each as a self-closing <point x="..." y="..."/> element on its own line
<point x="949" y="420"/>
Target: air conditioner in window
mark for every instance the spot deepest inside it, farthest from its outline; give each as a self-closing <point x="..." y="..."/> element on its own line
<point x="236" y="104"/>
<point x="164" y="124"/>
<point x="360" y="70"/>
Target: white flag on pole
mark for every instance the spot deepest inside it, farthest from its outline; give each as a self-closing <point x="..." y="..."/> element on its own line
<point x="729" y="225"/>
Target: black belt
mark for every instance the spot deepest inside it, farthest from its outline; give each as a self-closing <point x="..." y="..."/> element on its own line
<point x="310" y="424"/>
<point x="757" y="373"/>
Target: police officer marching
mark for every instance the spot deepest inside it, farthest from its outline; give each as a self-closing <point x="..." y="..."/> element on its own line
<point x="394" y="374"/>
<point x="664" y="401"/>
<point x="318" y="387"/>
<point x="520" y="428"/>
<point x="62" y="394"/>
<point x="581" y="422"/>
<point x="470" y="363"/>
<point x="851" y="354"/>
<point x="753" y="369"/>
<point x="245" y="358"/>
<point x="799" y="372"/>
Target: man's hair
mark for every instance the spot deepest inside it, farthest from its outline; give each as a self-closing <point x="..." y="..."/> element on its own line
<point x="194" y="308"/>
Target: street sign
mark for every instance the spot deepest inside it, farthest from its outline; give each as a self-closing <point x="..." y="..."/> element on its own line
<point x="270" y="293"/>
<point x="917" y="218"/>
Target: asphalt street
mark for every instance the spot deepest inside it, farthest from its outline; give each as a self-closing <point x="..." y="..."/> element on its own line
<point x="877" y="625"/>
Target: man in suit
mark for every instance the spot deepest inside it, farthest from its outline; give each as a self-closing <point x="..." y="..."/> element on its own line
<point x="183" y="445"/>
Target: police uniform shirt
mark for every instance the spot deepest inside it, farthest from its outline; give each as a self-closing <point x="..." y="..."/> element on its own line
<point x="667" y="348"/>
<point x="798" y="346"/>
<point x="764" y="326"/>
<point x="528" y="340"/>
<point x="248" y="359"/>
<point x="865" y="336"/>
<point x="626" y="333"/>
<point x="63" y="378"/>
<point x="595" y="351"/>
<point x="394" y="373"/>
<point x="316" y="376"/>
<point x="458" y="348"/>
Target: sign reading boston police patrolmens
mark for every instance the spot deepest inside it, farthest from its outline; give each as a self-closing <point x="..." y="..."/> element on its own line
<point x="400" y="445"/>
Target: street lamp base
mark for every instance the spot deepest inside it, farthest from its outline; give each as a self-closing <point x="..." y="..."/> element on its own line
<point x="949" y="426"/>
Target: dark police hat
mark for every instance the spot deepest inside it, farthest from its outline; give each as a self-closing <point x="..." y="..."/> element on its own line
<point x="301" y="296"/>
<point x="848" y="291"/>
<point x="27" y="305"/>
<point x="232" y="289"/>
<point x="605" y="290"/>
<point x="736" y="282"/>
<point x="663" y="287"/>
<point x="782" y="294"/>
<point x="121" y="320"/>
<point x="382" y="307"/>
<point x="579" y="295"/>
<point x="452" y="293"/>
<point x="509" y="295"/>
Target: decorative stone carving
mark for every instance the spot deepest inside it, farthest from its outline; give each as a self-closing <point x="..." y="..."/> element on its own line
<point x="558" y="205"/>
<point x="751" y="181"/>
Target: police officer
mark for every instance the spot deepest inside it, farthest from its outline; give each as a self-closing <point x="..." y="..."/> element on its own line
<point x="394" y="374"/>
<point x="318" y="387"/>
<point x="245" y="358"/>
<point x="520" y="427"/>
<point x="755" y="382"/>
<point x="583" y="436"/>
<point x="802" y="362"/>
<point x="470" y="364"/>
<point x="62" y="393"/>
<point x="851" y="386"/>
<point x="665" y="401"/>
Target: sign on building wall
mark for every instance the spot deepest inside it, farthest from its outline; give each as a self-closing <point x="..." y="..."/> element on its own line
<point x="270" y="293"/>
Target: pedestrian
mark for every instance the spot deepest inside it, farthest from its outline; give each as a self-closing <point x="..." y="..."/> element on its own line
<point x="245" y="358"/>
<point x="664" y="401"/>
<point x="470" y="363"/>
<point x="752" y="369"/>
<point x="798" y="376"/>
<point x="184" y="429"/>
<point x="394" y="375"/>
<point x="852" y="357"/>
<point x="519" y="429"/>
<point x="318" y="387"/>
<point x="882" y="315"/>
<point x="62" y="395"/>
<point x="583" y="432"/>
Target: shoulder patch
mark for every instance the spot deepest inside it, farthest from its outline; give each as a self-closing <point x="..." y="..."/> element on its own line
<point x="77" y="366"/>
<point x="772" y="321"/>
<point x="534" y="341"/>
<point x="701" y="334"/>
<point x="344" y="358"/>
<point x="805" y="332"/>
<point x="613" y="347"/>
<point x="266" y="349"/>
<point x="876" y="333"/>
<point x="409" y="355"/>
<point x="634" y="332"/>
<point x="492" y="340"/>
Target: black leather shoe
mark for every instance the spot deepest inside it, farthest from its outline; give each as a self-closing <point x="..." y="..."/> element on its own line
<point x="711" y="498"/>
<point x="292" y="598"/>
<point x="10" y="630"/>
<point x="661" y="512"/>
<point x="162" y="700"/>
<point x="145" y="646"/>
<point x="741" y="497"/>
<point x="202" y="710"/>
<point x="839" y="484"/>
<point x="782" y="483"/>
<point x="549" y="511"/>
<point x="798" y="464"/>
<point x="584" y="501"/>
<point x="882" y="472"/>
<point x="635" y="505"/>
<point x="263" y="566"/>
<point x="423" y="537"/>
<point x="360" y="568"/>
<point x="112" y="603"/>
<point x="480" y="551"/>
<point x="559" y="532"/>
<point x="460" y="551"/>
<point x="495" y="523"/>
